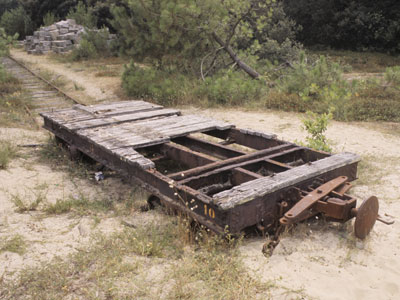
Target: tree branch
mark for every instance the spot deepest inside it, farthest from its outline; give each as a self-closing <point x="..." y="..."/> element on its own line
<point x="249" y="70"/>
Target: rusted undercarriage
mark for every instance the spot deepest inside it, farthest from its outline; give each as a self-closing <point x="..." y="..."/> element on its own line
<point x="223" y="177"/>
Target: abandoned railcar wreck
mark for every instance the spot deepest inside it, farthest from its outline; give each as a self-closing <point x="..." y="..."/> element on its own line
<point x="223" y="177"/>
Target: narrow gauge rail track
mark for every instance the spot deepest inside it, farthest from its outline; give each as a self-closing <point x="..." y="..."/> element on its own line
<point x="43" y="95"/>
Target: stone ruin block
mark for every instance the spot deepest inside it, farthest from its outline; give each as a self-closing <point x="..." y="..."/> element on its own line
<point x="59" y="37"/>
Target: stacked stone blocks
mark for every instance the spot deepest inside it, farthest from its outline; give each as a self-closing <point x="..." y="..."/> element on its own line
<point x="60" y="37"/>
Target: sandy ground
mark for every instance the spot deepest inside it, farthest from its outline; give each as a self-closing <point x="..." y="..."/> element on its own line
<point x="317" y="260"/>
<point x="45" y="236"/>
<point x="324" y="260"/>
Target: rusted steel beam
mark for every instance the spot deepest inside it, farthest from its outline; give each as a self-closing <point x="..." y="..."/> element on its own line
<point x="195" y="159"/>
<point x="237" y="160"/>
<point x="207" y="147"/>
<point x="186" y="156"/>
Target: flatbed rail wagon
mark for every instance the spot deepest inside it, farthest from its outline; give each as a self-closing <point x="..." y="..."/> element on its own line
<point x="223" y="177"/>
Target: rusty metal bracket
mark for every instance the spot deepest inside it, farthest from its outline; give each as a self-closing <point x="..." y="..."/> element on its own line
<point x="330" y="200"/>
<point x="301" y="210"/>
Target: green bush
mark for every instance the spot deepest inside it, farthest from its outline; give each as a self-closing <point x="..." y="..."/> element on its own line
<point x="305" y="78"/>
<point x="319" y="85"/>
<point x="16" y="21"/>
<point x="83" y="15"/>
<point x="49" y="19"/>
<point x="392" y="76"/>
<point x="160" y="86"/>
<point x="316" y="125"/>
<point x="170" y="87"/>
<point x="230" y="87"/>
<point x="85" y="50"/>
<point x="94" y="43"/>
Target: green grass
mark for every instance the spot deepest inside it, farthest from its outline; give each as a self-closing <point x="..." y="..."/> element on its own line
<point x="14" y="244"/>
<point x="81" y="206"/>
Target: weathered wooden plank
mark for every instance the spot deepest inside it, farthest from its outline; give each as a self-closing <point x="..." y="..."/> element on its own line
<point x="131" y="156"/>
<point x="148" y="132"/>
<point x="260" y="187"/>
<point x="80" y="113"/>
<point x="97" y="122"/>
<point x="118" y="108"/>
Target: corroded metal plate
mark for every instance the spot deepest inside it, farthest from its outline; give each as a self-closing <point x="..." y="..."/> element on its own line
<point x="366" y="217"/>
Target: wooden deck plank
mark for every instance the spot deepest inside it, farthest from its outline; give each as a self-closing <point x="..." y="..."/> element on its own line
<point x="131" y="156"/>
<point x="149" y="132"/>
<point x="80" y="113"/>
<point x="260" y="187"/>
<point x="120" y="127"/>
<point x="118" y="108"/>
<point x="92" y="123"/>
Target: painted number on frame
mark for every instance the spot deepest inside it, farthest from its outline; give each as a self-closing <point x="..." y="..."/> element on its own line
<point x="209" y="212"/>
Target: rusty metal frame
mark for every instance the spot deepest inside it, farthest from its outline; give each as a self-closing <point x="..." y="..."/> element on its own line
<point x="211" y="167"/>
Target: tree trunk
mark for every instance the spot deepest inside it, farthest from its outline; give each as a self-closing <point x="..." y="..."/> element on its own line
<point x="249" y="70"/>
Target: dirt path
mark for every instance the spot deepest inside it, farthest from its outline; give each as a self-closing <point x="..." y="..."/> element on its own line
<point x="319" y="260"/>
<point x="96" y="88"/>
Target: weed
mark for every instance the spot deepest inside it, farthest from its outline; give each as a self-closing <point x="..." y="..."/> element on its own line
<point x="81" y="206"/>
<point x="97" y="268"/>
<point x="7" y="152"/>
<point x="316" y="125"/>
<point x="56" y="154"/>
<point x="14" y="244"/>
<point x="22" y="206"/>
<point x="214" y="271"/>
<point x="392" y="76"/>
<point x="78" y="87"/>
<point x="8" y="83"/>
<point x="57" y="80"/>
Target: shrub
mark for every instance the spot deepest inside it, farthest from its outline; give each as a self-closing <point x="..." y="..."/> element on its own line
<point x="320" y="85"/>
<point x="170" y="87"/>
<point x="85" y="50"/>
<point x="305" y="78"/>
<point x="49" y="18"/>
<point x="16" y="21"/>
<point x="83" y="15"/>
<point x="392" y="76"/>
<point x="160" y="86"/>
<point x="94" y="43"/>
<point x="230" y="87"/>
<point x="316" y="125"/>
